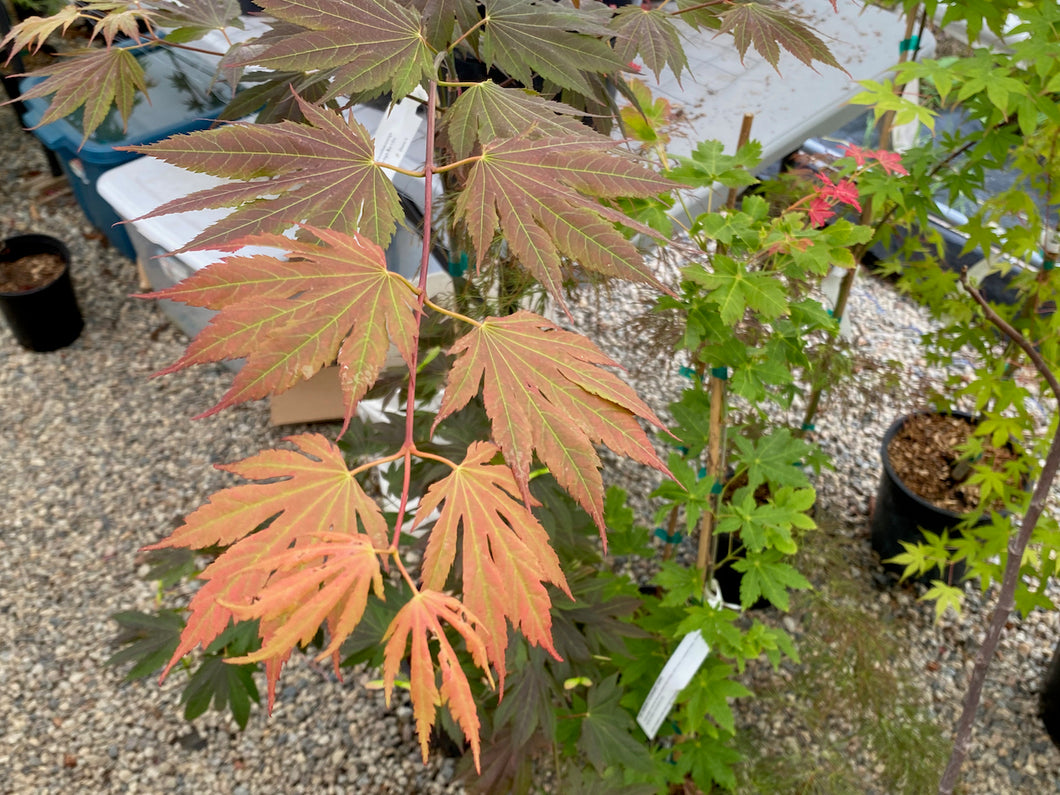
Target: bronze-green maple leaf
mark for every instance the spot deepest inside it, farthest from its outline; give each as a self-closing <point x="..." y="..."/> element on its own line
<point x="309" y="496"/>
<point x="542" y="195"/>
<point x="114" y="74"/>
<point x="190" y="19"/>
<point x="418" y="621"/>
<point x="322" y="173"/>
<point x="288" y="318"/>
<point x="440" y="16"/>
<point x="553" y="40"/>
<point x="651" y="34"/>
<point x="768" y="28"/>
<point x="362" y="46"/>
<point x="486" y="111"/>
<point x="546" y="393"/>
<point x="505" y="552"/>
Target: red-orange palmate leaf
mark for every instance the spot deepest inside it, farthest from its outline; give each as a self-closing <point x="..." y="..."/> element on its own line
<point x="418" y="621"/>
<point x="288" y="318"/>
<point x="325" y="580"/>
<point x="545" y="393"/>
<point x="506" y="553"/>
<point x="310" y="497"/>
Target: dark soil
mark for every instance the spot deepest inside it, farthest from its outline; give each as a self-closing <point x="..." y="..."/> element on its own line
<point x="30" y="272"/>
<point x="924" y="456"/>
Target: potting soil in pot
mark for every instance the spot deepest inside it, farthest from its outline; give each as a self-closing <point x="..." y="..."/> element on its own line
<point x="925" y="456"/>
<point x="29" y="273"/>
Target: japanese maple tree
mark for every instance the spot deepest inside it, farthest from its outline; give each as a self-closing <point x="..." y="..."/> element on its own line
<point x="304" y="546"/>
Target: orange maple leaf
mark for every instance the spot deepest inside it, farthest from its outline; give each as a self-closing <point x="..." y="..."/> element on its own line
<point x="312" y="583"/>
<point x="288" y="318"/>
<point x="545" y="392"/>
<point x="506" y="553"/>
<point x="418" y="621"/>
<point x="309" y="500"/>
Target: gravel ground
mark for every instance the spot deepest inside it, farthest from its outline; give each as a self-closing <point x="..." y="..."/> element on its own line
<point x="97" y="460"/>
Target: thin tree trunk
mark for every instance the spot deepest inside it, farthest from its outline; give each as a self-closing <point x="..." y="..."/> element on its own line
<point x="1017" y="545"/>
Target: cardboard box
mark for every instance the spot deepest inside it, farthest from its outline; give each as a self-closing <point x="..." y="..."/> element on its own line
<point x="315" y="400"/>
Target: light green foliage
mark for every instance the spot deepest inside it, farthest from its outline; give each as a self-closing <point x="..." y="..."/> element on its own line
<point x="1010" y="125"/>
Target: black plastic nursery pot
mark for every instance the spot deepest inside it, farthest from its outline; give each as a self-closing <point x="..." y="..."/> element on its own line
<point x="1049" y="699"/>
<point x="729" y="579"/>
<point x="902" y="515"/>
<point x="44" y="317"/>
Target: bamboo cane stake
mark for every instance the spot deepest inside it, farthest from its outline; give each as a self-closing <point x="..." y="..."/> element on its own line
<point x="706" y="551"/>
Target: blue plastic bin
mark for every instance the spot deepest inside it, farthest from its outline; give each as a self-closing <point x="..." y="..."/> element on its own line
<point x="184" y="97"/>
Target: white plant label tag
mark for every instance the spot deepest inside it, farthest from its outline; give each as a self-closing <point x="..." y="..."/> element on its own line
<point x="398" y="129"/>
<point x="676" y="674"/>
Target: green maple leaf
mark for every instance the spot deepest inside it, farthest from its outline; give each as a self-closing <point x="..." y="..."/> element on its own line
<point x="651" y="34"/>
<point x="709" y="693"/>
<point x="944" y="596"/>
<point x="607" y="731"/>
<point x="768" y="28"/>
<point x="541" y="193"/>
<point x="705" y="759"/>
<point x="149" y="639"/>
<point x="753" y="383"/>
<point x="506" y="555"/>
<point x="991" y="483"/>
<point x="735" y="290"/>
<point x="708" y="164"/>
<point x="307" y="497"/>
<point x="322" y="173"/>
<point x="114" y="74"/>
<point x="545" y="393"/>
<point x="362" y="47"/>
<point x="767" y="575"/>
<point x="770" y="459"/>
<point x="418" y="621"/>
<point x="549" y="39"/>
<point x="692" y="415"/>
<point x="288" y="318"/>
<point x="728" y="226"/>
<point x="224" y="684"/>
<point x="486" y="111"/>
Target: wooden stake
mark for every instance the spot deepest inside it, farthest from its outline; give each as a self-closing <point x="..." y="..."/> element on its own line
<point x="706" y="552"/>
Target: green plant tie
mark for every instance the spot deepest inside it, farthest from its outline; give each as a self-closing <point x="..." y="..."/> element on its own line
<point x="666" y="538"/>
<point x="688" y="373"/>
<point x="721" y="373"/>
<point x="1048" y="264"/>
<point x="716" y="488"/>
<point x="682" y="450"/>
<point x="910" y="44"/>
<point x="458" y="268"/>
<point x="809" y="426"/>
<point x="702" y="472"/>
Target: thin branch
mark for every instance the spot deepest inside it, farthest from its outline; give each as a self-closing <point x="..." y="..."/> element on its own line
<point x="1017" y="545"/>
<point x="425" y="259"/>
<point x="1025" y="345"/>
